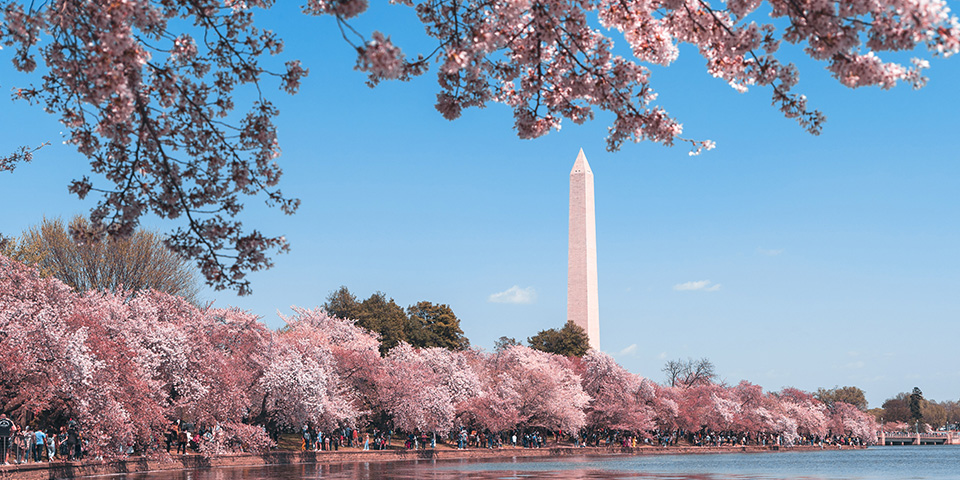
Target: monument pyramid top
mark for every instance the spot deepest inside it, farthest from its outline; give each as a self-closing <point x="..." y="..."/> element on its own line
<point x="581" y="165"/>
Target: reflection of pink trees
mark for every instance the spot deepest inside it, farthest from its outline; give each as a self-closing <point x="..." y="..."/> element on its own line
<point x="124" y="366"/>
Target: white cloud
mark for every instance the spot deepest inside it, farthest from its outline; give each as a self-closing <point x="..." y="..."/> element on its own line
<point x="631" y="350"/>
<point x="662" y="356"/>
<point x="514" y="294"/>
<point x="770" y="252"/>
<point x="698" y="285"/>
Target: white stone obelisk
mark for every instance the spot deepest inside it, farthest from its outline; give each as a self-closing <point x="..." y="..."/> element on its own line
<point x="583" y="307"/>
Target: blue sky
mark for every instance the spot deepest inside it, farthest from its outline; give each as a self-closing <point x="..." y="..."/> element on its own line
<point x="831" y="260"/>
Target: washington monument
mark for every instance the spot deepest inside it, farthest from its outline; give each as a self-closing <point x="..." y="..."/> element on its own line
<point x="583" y="307"/>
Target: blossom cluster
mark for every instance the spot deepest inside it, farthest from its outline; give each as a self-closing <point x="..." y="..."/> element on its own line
<point x="548" y="60"/>
<point x="146" y="88"/>
<point x="124" y="365"/>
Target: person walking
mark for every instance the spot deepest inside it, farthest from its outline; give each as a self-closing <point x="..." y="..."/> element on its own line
<point x="39" y="445"/>
<point x="170" y="435"/>
<point x="6" y="429"/>
<point x="51" y="444"/>
<point x="73" y="440"/>
<point x="19" y="446"/>
<point x="306" y="438"/>
<point x="30" y="440"/>
<point x="62" y="442"/>
<point x="182" y="440"/>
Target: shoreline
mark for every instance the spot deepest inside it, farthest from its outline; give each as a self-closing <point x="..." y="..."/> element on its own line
<point x="65" y="470"/>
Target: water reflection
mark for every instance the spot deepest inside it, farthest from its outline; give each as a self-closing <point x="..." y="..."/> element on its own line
<point x="920" y="463"/>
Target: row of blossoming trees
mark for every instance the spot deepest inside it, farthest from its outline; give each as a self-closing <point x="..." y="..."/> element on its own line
<point x="123" y="366"/>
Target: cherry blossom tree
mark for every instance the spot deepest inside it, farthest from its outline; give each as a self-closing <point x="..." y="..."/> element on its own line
<point x="895" y="427"/>
<point x="619" y="399"/>
<point x="304" y="381"/>
<point x="151" y="104"/>
<point x="847" y="419"/>
<point x="705" y="406"/>
<point x="37" y="349"/>
<point x="424" y="389"/>
<point x="748" y="400"/>
<point x="146" y="89"/>
<point x="67" y="361"/>
<point x="801" y="414"/>
<point x="236" y="437"/>
<point x="666" y="407"/>
<point x="524" y="387"/>
<point x="123" y="366"/>
<point x="233" y="359"/>
<point x="546" y="60"/>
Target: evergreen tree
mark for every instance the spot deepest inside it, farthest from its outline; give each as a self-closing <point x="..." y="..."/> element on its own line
<point x="569" y="341"/>
<point x="384" y="316"/>
<point x="342" y="304"/>
<point x="432" y="325"/>
<point x="916" y="404"/>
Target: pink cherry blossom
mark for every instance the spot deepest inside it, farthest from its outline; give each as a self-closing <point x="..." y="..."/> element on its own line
<point x="146" y="89"/>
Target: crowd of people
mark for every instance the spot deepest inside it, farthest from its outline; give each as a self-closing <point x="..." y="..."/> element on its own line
<point x="317" y="440"/>
<point x="255" y="383"/>
<point x="29" y="443"/>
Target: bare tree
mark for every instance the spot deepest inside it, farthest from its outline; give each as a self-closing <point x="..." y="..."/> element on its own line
<point x="136" y="263"/>
<point x="689" y="372"/>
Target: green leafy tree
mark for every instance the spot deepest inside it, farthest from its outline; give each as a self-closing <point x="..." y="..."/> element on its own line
<point x="916" y="404"/>
<point x="342" y="304"/>
<point x="427" y="325"/>
<point x="569" y="341"/>
<point x="852" y="395"/>
<point x="382" y="315"/>
<point x="430" y="325"/>
<point x="377" y="314"/>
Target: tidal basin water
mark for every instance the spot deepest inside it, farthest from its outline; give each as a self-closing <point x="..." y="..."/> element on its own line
<point x="879" y="463"/>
